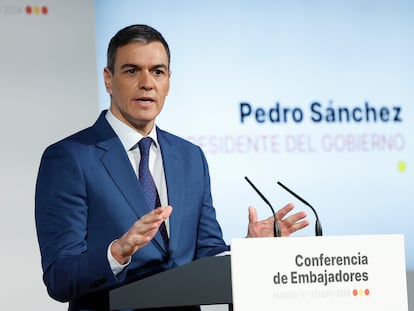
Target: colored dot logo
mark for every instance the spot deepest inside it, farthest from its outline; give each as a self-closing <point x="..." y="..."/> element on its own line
<point x="36" y="10"/>
<point x="360" y="292"/>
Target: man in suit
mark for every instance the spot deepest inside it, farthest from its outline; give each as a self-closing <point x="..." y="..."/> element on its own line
<point x="96" y="228"/>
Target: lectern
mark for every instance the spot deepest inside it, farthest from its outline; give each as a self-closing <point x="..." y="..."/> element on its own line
<point x="205" y="281"/>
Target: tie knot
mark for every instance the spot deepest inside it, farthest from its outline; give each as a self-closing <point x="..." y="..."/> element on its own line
<point x="144" y="145"/>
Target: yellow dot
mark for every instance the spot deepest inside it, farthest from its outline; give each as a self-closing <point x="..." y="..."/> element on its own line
<point x="36" y="10"/>
<point x="361" y="292"/>
<point x="402" y="167"/>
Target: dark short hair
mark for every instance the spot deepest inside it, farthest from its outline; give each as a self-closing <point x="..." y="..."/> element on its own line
<point x="133" y="33"/>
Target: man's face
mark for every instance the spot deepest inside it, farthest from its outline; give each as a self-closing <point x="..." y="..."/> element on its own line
<point x="139" y="84"/>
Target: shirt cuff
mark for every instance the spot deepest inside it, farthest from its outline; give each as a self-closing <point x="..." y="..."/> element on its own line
<point x="116" y="267"/>
<point x="225" y="253"/>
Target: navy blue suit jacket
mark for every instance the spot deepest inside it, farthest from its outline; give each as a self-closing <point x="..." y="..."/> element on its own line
<point x="87" y="195"/>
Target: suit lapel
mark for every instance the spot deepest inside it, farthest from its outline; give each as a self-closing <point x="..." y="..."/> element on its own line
<point x="173" y="167"/>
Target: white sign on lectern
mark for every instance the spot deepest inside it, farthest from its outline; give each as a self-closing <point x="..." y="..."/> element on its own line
<point x="319" y="273"/>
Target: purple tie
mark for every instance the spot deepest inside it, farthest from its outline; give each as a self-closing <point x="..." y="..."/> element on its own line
<point x="148" y="184"/>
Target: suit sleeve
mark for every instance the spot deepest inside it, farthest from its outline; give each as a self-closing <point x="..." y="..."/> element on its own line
<point x="210" y="238"/>
<point x="70" y="269"/>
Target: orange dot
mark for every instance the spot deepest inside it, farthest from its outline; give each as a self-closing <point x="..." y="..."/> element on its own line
<point x="367" y="292"/>
<point x="355" y="292"/>
<point x="36" y="10"/>
<point x="44" y="10"/>
<point x="28" y="9"/>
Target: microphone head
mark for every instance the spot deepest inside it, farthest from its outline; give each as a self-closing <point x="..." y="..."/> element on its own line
<point x="318" y="228"/>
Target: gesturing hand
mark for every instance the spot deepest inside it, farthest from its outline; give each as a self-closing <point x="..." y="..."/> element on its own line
<point x="140" y="234"/>
<point x="288" y="225"/>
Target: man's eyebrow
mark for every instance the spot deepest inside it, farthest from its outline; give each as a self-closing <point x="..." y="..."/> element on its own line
<point x="124" y="66"/>
<point x="135" y="66"/>
<point x="160" y="66"/>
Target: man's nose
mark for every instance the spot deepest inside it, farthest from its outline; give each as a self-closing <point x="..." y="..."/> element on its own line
<point x="145" y="80"/>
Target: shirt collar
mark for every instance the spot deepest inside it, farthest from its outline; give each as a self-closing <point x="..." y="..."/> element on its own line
<point x="128" y="136"/>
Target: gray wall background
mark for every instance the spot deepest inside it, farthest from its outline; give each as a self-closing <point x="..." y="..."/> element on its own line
<point x="48" y="90"/>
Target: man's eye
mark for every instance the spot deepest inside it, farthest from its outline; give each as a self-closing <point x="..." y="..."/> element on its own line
<point x="131" y="71"/>
<point x="158" y="72"/>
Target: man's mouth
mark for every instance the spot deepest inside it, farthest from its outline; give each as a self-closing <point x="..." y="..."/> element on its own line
<point x="145" y="99"/>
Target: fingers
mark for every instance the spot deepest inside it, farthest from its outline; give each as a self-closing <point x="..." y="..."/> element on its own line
<point x="157" y="215"/>
<point x="147" y="225"/>
<point x="300" y="225"/>
<point x="292" y="219"/>
<point x="280" y="214"/>
<point x="293" y="223"/>
<point x="253" y="215"/>
<point x="166" y="211"/>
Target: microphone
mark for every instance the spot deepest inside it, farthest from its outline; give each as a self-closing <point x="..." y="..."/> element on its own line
<point x="276" y="228"/>
<point x="318" y="226"/>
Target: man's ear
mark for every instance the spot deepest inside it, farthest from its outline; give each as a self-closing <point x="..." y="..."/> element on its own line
<point x="169" y="77"/>
<point x="108" y="80"/>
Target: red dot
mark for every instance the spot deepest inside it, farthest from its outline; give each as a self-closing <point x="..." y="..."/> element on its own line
<point x="44" y="10"/>
<point x="355" y="292"/>
<point x="367" y="292"/>
<point x="28" y="9"/>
